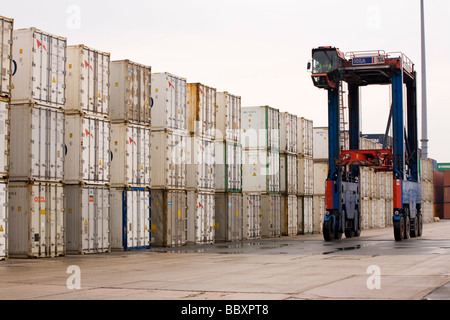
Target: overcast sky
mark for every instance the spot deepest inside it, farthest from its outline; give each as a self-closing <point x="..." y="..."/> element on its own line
<point x="259" y="49"/>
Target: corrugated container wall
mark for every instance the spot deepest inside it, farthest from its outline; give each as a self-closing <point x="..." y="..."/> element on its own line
<point x="228" y="117"/>
<point x="261" y="171"/>
<point x="130" y="218"/>
<point x="228" y="167"/>
<point x="88" y="219"/>
<point x="260" y="128"/>
<point x="289" y="215"/>
<point x="252" y="216"/>
<point x="36" y="224"/>
<point x="270" y="216"/>
<point x="40" y="74"/>
<point x="200" y="217"/>
<point x="305" y="214"/>
<point x="229" y="218"/>
<point x="288" y="174"/>
<point x="130" y="92"/>
<point x="200" y="164"/>
<point x="169" y="102"/>
<point x="88" y="156"/>
<point x="320" y="144"/>
<point x="201" y="110"/>
<point x="38" y="146"/>
<point x="305" y="176"/>
<point x="318" y="213"/>
<point x="88" y="81"/>
<point x="305" y="137"/>
<point x="130" y="153"/>
<point x="4" y="220"/>
<point x="5" y="135"/>
<point x="168" y="220"/>
<point x="168" y="158"/>
<point x="6" y="54"/>
<point x="288" y="133"/>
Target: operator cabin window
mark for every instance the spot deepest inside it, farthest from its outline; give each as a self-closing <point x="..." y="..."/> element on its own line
<point x="324" y="62"/>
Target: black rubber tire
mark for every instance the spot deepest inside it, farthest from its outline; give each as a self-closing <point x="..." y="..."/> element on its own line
<point x="328" y="232"/>
<point x="399" y="229"/>
<point x="349" y="233"/>
<point x="407" y="227"/>
<point x="415" y="227"/>
<point x="420" y="225"/>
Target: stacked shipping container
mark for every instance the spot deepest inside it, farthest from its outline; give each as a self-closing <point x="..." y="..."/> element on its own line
<point x="130" y="115"/>
<point x="320" y="164"/>
<point x="6" y="40"/>
<point x="88" y="151"/>
<point x="426" y="180"/>
<point x="201" y="121"/>
<point x="37" y="152"/>
<point x="261" y="164"/>
<point x="169" y="149"/>
<point x="229" y="200"/>
<point x="289" y="173"/>
<point x="305" y="175"/>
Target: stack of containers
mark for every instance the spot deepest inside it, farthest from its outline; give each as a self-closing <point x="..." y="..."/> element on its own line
<point x="36" y="224"/>
<point x="200" y="180"/>
<point x="168" y="161"/>
<point x="426" y="180"/>
<point x="88" y="155"/>
<point x="6" y="54"/>
<point x="438" y="193"/>
<point x="446" y="195"/>
<point x="289" y="173"/>
<point x="320" y="163"/>
<point x="130" y="115"/>
<point x="230" y="215"/>
<point x="305" y="175"/>
<point x="261" y="164"/>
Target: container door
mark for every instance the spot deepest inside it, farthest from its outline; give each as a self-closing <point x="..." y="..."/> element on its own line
<point x="87" y="219"/>
<point x="103" y="83"/>
<point x="105" y="220"/>
<point x="3" y="219"/>
<point x="87" y="150"/>
<point x="87" y="80"/>
<point x="5" y="63"/>
<point x="144" y="164"/>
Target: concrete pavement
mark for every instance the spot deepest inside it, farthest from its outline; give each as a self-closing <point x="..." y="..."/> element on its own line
<point x="291" y="268"/>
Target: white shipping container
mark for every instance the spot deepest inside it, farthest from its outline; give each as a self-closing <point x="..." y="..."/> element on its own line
<point x="200" y="164"/>
<point x="200" y="215"/>
<point x="373" y="213"/>
<point x="88" y="157"/>
<point x="252" y="216"/>
<point x="365" y="212"/>
<point x="320" y="144"/>
<point x="168" y="159"/>
<point x="88" y="81"/>
<point x="389" y="185"/>
<point x="270" y="216"/>
<point x="364" y="178"/>
<point x="130" y="92"/>
<point x="305" y="137"/>
<point x="373" y="184"/>
<point x="228" y="117"/>
<point x="36" y="222"/>
<point x="169" y="102"/>
<point x="260" y="128"/>
<point x="168" y="219"/>
<point x="40" y="68"/>
<point x="381" y="213"/>
<point x="4" y="137"/>
<point x="37" y="149"/>
<point x="320" y="177"/>
<point x="3" y="220"/>
<point x="305" y="214"/>
<point x="261" y="171"/>
<point x="288" y="133"/>
<point x="130" y="219"/>
<point x="201" y="110"/>
<point x="229" y="217"/>
<point x="305" y="175"/>
<point x="6" y="54"/>
<point x="88" y="217"/>
<point x="288" y="174"/>
<point x="389" y="211"/>
<point x="319" y="212"/>
<point x="228" y="166"/>
<point x="289" y="215"/>
<point x="130" y="148"/>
